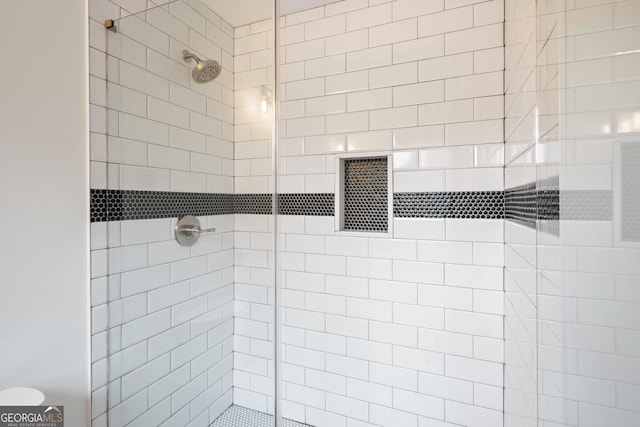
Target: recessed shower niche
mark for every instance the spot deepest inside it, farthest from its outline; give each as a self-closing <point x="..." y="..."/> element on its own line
<point x="364" y="198"/>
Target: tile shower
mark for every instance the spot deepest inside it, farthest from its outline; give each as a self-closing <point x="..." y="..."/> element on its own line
<point x="498" y="289"/>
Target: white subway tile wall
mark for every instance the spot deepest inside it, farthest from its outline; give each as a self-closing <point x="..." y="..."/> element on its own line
<point x="253" y="79"/>
<point x="520" y="374"/>
<point x="405" y="330"/>
<point x="371" y="326"/>
<point x="408" y="330"/>
<point x="254" y="348"/>
<point x="570" y="357"/>
<point x="163" y="321"/>
<point x="596" y="328"/>
<point x="402" y="75"/>
<point x="162" y="345"/>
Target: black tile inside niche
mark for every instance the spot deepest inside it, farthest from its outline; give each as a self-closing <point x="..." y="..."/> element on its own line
<point x="366" y="194"/>
<point x="630" y="192"/>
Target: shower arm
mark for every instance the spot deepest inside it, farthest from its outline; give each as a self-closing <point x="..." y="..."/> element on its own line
<point x="188" y="56"/>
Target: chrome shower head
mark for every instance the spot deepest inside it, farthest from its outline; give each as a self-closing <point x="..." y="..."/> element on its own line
<point x="204" y="71"/>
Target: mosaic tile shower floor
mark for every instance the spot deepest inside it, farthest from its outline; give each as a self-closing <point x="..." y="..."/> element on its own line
<point x="238" y="416"/>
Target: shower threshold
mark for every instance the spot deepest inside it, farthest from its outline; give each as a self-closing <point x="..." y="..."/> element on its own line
<point x="238" y="416"/>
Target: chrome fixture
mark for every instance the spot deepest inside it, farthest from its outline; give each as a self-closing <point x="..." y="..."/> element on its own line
<point x="205" y="71"/>
<point x="188" y="230"/>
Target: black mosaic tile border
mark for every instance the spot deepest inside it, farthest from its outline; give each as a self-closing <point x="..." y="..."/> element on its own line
<point x="123" y="205"/>
<point x="315" y="204"/>
<point x="257" y="204"/>
<point x="521" y="204"/>
<point x="542" y="203"/>
<point x="466" y="204"/>
<point x="535" y="204"/>
<point x="548" y="200"/>
<point x="588" y="205"/>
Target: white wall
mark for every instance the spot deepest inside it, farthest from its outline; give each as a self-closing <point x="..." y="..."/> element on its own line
<point x="520" y="404"/>
<point x="572" y="325"/>
<point x="587" y="302"/>
<point x="253" y="376"/>
<point x="162" y="319"/>
<point x="44" y="292"/>
<point x="377" y="331"/>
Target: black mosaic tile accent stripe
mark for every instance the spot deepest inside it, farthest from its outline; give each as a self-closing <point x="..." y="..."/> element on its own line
<point x="548" y="199"/>
<point x="257" y="204"/>
<point x="467" y="204"/>
<point x="521" y="205"/>
<point x="543" y="203"/>
<point x="420" y="205"/>
<point x="536" y="204"/>
<point x="316" y="204"/>
<point x="531" y="204"/>
<point x="476" y="204"/>
<point x="588" y="205"/>
<point x="123" y="205"/>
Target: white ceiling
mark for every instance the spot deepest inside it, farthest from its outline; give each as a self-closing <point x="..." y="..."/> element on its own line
<point x="243" y="12"/>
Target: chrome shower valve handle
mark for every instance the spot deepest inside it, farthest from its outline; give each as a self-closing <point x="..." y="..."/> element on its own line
<point x="188" y="230"/>
<point x="197" y="230"/>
